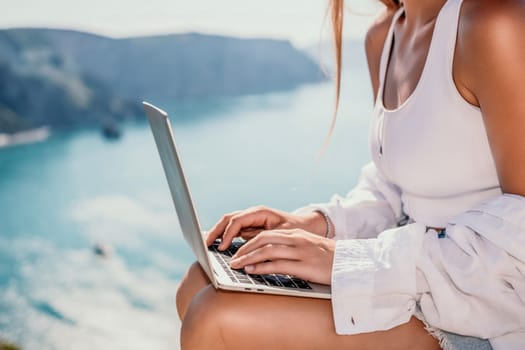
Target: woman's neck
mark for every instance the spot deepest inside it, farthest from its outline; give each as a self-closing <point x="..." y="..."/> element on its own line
<point x="421" y="12"/>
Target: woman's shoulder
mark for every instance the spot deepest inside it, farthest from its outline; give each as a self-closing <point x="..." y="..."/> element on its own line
<point x="374" y="42"/>
<point x="490" y="35"/>
<point x="485" y="23"/>
<point x="377" y="32"/>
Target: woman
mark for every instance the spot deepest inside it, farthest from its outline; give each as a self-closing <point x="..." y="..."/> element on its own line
<point x="448" y="155"/>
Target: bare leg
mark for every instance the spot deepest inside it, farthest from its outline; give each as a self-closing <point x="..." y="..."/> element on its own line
<point x="193" y="281"/>
<point x="230" y="320"/>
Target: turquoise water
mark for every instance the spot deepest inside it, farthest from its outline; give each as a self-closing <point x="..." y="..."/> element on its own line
<point x="59" y="197"/>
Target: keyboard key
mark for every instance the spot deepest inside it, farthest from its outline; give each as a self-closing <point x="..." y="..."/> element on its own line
<point x="303" y="285"/>
<point x="286" y="282"/>
<point x="272" y="280"/>
<point x="258" y="279"/>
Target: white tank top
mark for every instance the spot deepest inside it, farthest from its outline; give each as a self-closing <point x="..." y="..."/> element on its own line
<point x="434" y="146"/>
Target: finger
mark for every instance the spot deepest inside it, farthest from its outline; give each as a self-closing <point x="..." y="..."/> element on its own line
<point x="217" y="230"/>
<point x="265" y="253"/>
<point x="250" y="219"/>
<point x="266" y="237"/>
<point x="250" y="233"/>
<point x="285" y="267"/>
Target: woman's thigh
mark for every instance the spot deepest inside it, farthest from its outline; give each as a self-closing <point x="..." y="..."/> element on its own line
<point x="193" y="281"/>
<point x="232" y="320"/>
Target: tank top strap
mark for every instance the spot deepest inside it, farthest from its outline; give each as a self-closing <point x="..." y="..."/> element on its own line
<point x="440" y="56"/>
<point x="387" y="47"/>
<point x="441" y="53"/>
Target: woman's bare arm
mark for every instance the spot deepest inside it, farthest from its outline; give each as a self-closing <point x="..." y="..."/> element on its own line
<point x="491" y="57"/>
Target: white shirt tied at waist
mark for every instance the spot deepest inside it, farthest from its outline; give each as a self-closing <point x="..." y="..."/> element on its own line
<point x="470" y="282"/>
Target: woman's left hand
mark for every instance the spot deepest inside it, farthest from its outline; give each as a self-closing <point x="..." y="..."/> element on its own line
<point x="291" y="252"/>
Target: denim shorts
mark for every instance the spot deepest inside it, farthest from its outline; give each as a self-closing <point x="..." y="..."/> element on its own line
<point x="452" y="341"/>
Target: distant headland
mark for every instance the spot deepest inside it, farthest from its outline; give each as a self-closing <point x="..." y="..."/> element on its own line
<point x="64" y="79"/>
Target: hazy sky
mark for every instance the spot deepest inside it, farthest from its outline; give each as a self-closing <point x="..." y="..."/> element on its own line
<point x="297" y="20"/>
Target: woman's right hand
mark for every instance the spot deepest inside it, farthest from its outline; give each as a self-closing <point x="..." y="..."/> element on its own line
<point x="250" y="222"/>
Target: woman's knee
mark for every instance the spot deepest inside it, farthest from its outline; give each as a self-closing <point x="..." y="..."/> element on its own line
<point x="203" y="324"/>
<point x="193" y="281"/>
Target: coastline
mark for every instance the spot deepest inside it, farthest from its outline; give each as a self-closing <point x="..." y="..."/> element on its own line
<point x="25" y="137"/>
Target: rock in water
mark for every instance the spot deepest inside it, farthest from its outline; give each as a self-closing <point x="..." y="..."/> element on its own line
<point x="102" y="250"/>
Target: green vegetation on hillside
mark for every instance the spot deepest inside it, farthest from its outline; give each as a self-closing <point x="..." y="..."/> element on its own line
<point x="4" y="345"/>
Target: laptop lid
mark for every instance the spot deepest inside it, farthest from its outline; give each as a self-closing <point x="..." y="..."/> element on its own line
<point x="180" y="193"/>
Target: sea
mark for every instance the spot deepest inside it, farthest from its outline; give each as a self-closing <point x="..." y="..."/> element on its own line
<point x="61" y="197"/>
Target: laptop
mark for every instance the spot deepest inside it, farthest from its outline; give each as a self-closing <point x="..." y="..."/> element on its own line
<point x="214" y="262"/>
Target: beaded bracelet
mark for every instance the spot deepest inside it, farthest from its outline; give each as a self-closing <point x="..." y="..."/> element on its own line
<point x="329" y="225"/>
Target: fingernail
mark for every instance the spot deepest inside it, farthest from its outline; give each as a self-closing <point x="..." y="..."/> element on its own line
<point x="249" y="268"/>
<point x="234" y="262"/>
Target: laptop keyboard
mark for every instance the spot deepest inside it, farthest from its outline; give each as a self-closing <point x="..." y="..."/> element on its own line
<point x="275" y="280"/>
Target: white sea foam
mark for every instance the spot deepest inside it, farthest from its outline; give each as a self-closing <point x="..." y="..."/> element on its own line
<point x="70" y="299"/>
<point x="122" y="219"/>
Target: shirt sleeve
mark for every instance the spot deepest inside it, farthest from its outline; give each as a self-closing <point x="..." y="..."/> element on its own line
<point x="374" y="280"/>
<point x="373" y="206"/>
<point x="471" y="281"/>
